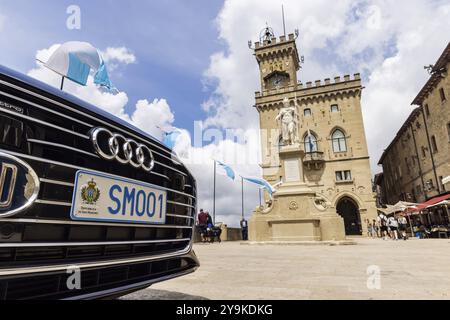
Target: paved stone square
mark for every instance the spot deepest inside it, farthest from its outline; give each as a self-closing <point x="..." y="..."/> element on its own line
<point x="414" y="269"/>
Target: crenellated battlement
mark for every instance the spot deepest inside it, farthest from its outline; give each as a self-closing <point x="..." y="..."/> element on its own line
<point x="274" y="41"/>
<point x="318" y="85"/>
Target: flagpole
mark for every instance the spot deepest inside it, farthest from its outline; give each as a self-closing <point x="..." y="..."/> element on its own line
<point x="243" y="214"/>
<point x="62" y="82"/>
<point x="214" y="197"/>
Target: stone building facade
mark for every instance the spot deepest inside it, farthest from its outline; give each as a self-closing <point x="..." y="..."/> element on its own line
<point x="329" y="132"/>
<point x="418" y="159"/>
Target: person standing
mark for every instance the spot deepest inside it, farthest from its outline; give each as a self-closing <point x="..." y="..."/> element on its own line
<point x="202" y="224"/>
<point x="402" y="225"/>
<point x="382" y="220"/>
<point x="376" y="229"/>
<point x="393" y="226"/>
<point x="244" y="229"/>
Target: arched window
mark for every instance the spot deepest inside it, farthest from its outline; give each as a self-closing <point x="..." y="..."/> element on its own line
<point x="307" y="112"/>
<point x="339" y="141"/>
<point x="310" y="143"/>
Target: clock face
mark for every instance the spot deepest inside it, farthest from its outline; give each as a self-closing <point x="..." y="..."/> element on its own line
<point x="277" y="82"/>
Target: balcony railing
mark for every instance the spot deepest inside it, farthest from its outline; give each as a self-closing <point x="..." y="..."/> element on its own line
<point x="314" y="160"/>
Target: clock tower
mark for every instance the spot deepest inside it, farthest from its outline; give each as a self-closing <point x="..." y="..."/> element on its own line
<point x="278" y="60"/>
<point x="313" y="149"/>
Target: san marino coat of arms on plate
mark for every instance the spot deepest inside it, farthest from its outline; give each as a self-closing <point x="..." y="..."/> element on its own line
<point x="90" y="193"/>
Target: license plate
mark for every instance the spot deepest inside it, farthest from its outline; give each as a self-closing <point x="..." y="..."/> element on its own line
<point x="104" y="198"/>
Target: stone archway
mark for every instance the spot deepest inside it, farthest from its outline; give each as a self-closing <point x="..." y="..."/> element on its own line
<point x="348" y="209"/>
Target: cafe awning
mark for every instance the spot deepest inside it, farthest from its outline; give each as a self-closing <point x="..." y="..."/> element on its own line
<point x="430" y="203"/>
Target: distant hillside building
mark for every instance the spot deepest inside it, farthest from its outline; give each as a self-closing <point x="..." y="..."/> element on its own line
<point x="417" y="162"/>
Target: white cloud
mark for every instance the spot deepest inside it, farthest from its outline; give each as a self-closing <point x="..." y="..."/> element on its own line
<point x="149" y="116"/>
<point x="121" y="55"/>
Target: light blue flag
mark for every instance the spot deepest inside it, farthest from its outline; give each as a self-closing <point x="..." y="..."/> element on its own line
<point x="228" y="170"/>
<point x="77" y="71"/>
<point x="170" y="138"/>
<point x="263" y="183"/>
<point x="101" y="77"/>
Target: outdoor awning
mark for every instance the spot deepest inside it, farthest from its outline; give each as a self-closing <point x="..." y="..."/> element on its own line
<point x="430" y="203"/>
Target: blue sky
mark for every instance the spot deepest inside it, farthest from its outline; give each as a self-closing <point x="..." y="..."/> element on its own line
<point x="172" y="41"/>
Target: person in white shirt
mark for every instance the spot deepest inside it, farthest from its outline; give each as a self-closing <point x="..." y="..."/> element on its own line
<point x="402" y="224"/>
<point x="393" y="226"/>
<point x="382" y="221"/>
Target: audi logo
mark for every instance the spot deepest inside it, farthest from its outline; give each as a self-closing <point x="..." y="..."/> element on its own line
<point x="112" y="146"/>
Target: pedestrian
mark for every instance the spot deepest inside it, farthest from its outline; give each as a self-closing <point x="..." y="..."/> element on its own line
<point x="202" y="224"/>
<point x="376" y="229"/>
<point x="369" y="228"/>
<point x="244" y="229"/>
<point x="393" y="226"/>
<point x="402" y="226"/>
<point x="382" y="220"/>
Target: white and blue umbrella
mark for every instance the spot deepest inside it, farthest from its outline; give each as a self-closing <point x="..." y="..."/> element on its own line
<point x="75" y="60"/>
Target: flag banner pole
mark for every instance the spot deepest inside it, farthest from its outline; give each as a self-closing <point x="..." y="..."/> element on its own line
<point x="243" y="214"/>
<point x="62" y="82"/>
<point x="214" y="197"/>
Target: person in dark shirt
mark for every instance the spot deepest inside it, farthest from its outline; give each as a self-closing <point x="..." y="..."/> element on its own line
<point x="244" y="228"/>
<point x="202" y="224"/>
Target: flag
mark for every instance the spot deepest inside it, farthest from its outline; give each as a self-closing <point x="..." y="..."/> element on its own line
<point x="170" y="138"/>
<point x="263" y="183"/>
<point x="101" y="78"/>
<point x="228" y="170"/>
<point x="310" y="141"/>
<point x="75" y="60"/>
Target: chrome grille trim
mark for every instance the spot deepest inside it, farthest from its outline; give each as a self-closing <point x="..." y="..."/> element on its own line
<point x="65" y="267"/>
<point x="81" y="168"/>
<point x="92" y="224"/>
<point x="54" y="203"/>
<point x="44" y="123"/>
<point x="180" y="204"/>
<point x="85" y="244"/>
<point x="58" y="145"/>
<point x="61" y="183"/>
<point x="81" y="113"/>
<point x="45" y="109"/>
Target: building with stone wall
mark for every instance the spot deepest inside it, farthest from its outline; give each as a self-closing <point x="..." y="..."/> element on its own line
<point x="331" y="161"/>
<point x="418" y="159"/>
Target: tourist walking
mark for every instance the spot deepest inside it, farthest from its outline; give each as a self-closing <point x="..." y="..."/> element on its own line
<point x="393" y="226"/>
<point x="402" y="225"/>
<point x="382" y="220"/>
<point x="369" y="228"/>
<point x="376" y="229"/>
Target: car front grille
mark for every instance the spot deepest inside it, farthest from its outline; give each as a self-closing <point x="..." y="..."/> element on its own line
<point x="52" y="135"/>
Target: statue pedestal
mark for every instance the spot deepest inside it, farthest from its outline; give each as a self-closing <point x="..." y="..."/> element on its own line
<point x="296" y="213"/>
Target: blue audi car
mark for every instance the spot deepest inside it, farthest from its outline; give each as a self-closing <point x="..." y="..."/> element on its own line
<point x="90" y="206"/>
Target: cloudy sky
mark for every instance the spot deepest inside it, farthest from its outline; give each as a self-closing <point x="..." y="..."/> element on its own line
<point x="181" y="62"/>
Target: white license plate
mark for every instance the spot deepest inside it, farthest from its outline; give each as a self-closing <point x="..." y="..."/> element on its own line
<point x="104" y="198"/>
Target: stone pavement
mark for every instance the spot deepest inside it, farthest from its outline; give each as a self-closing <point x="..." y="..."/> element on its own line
<point x="414" y="269"/>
